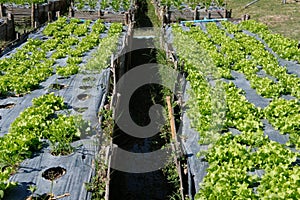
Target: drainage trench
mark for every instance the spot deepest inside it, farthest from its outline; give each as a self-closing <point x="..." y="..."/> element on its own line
<point x="150" y="185"/>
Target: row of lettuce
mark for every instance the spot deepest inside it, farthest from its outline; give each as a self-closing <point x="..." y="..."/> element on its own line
<point x="247" y="165"/>
<point x="37" y="60"/>
<point x="23" y="71"/>
<point x="27" y="132"/>
<point x="244" y="54"/>
<point x="116" y="5"/>
<point x="285" y="47"/>
<point x="179" y="4"/>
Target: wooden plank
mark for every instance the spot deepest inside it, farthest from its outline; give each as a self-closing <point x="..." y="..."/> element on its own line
<point x="171" y="118"/>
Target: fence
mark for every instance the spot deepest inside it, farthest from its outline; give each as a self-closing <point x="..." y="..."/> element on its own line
<point x="35" y="14"/>
<point x="7" y="29"/>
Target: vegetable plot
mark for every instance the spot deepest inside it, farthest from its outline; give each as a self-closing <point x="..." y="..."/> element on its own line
<point x="23" y="71"/>
<point x="245" y="164"/>
<point x="284" y="47"/>
<point x="27" y="131"/>
<point x="179" y="4"/>
<point x="35" y="61"/>
<point x="115" y="5"/>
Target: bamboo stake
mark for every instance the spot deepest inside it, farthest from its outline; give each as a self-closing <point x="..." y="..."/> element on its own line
<point x="108" y="163"/>
<point x="114" y="93"/>
<point x="175" y="146"/>
<point x="1" y="10"/>
<point x="32" y="14"/>
<point x="171" y="118"/>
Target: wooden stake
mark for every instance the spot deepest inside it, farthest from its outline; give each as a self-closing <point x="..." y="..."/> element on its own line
<point x="32" y="14"/>
<point x="62" y="196"/>
<point x="171" y="118"/>
<point x="1" y="10"/>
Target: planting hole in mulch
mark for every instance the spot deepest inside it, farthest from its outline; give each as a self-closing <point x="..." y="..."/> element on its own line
<point x="63" y="77"/>
<point x="53" y="173"/>
<point x="83" y="97"/>
<point x="85" y="87"/>
<point x="7" y="106"/>
<point x="87" y="79"/>
<point x="80" y="110"/>
<point x="57" y="86"/>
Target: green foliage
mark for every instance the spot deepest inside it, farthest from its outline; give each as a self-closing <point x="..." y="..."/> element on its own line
<point x="61" y="132"/>
<point x="115" y="4"/>
<point x="206" y="109"/>
<point x="100" y="59"/>
<point x="25" y="69"/>
<point x="284" y="116"/>
<point x="26" y="132"/>
<point x="22" y="2"/>
<point x="115" y="28"/>
<point x="233" y="159"/>
<point x="104" y="4"/>
<point x="92" y="4"/>
<point x="68" y="70"/>
<point x="170" y="172"/>
<point x="191" y="3"/>
<point x="284" y="47"/>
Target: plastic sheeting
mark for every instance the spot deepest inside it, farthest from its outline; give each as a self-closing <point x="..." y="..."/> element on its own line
<point x="85" y="94"/>
<point x="196" y="165"/>
<point x="79" y="170"/>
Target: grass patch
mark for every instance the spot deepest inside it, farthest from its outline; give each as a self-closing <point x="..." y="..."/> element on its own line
<point x="152" y="15"/>
<point x="280" y="18"/>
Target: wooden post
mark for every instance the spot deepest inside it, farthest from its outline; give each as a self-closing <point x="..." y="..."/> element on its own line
<point x="247" y="17"/>
<point x="114" y="94"/>
<point x="169" y="13"/>
<point x="1" y="10"/>
<point x="108" y="164"/>
<point x="57" y="14"/>
<point x="11" y="26"/>
<point x="126" y="18"/>
<point x="162" y="13"/>
<point x="5" y="24"/>
<point x="37" y="17"/>
<point x="70" y="10"/>
<point x="208" y="14"/>
<point x="228" y="13"/>
<point x="171" y="118"/>
<point x="49" y="16"/>
<point x="197" y="13"/>
<point x="175" y="147"/>
<point x="32" y="14"/>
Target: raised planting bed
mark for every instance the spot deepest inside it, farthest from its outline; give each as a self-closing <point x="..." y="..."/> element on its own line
<point x="108" y="10"/>
<point x="240" y="127"/>
<point x="34" y="13"/>
<point x="176" y="11"/>
<point x="51" y="133"/>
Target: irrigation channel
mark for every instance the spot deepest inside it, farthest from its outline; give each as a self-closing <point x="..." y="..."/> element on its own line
<point x="153" y="185"/>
